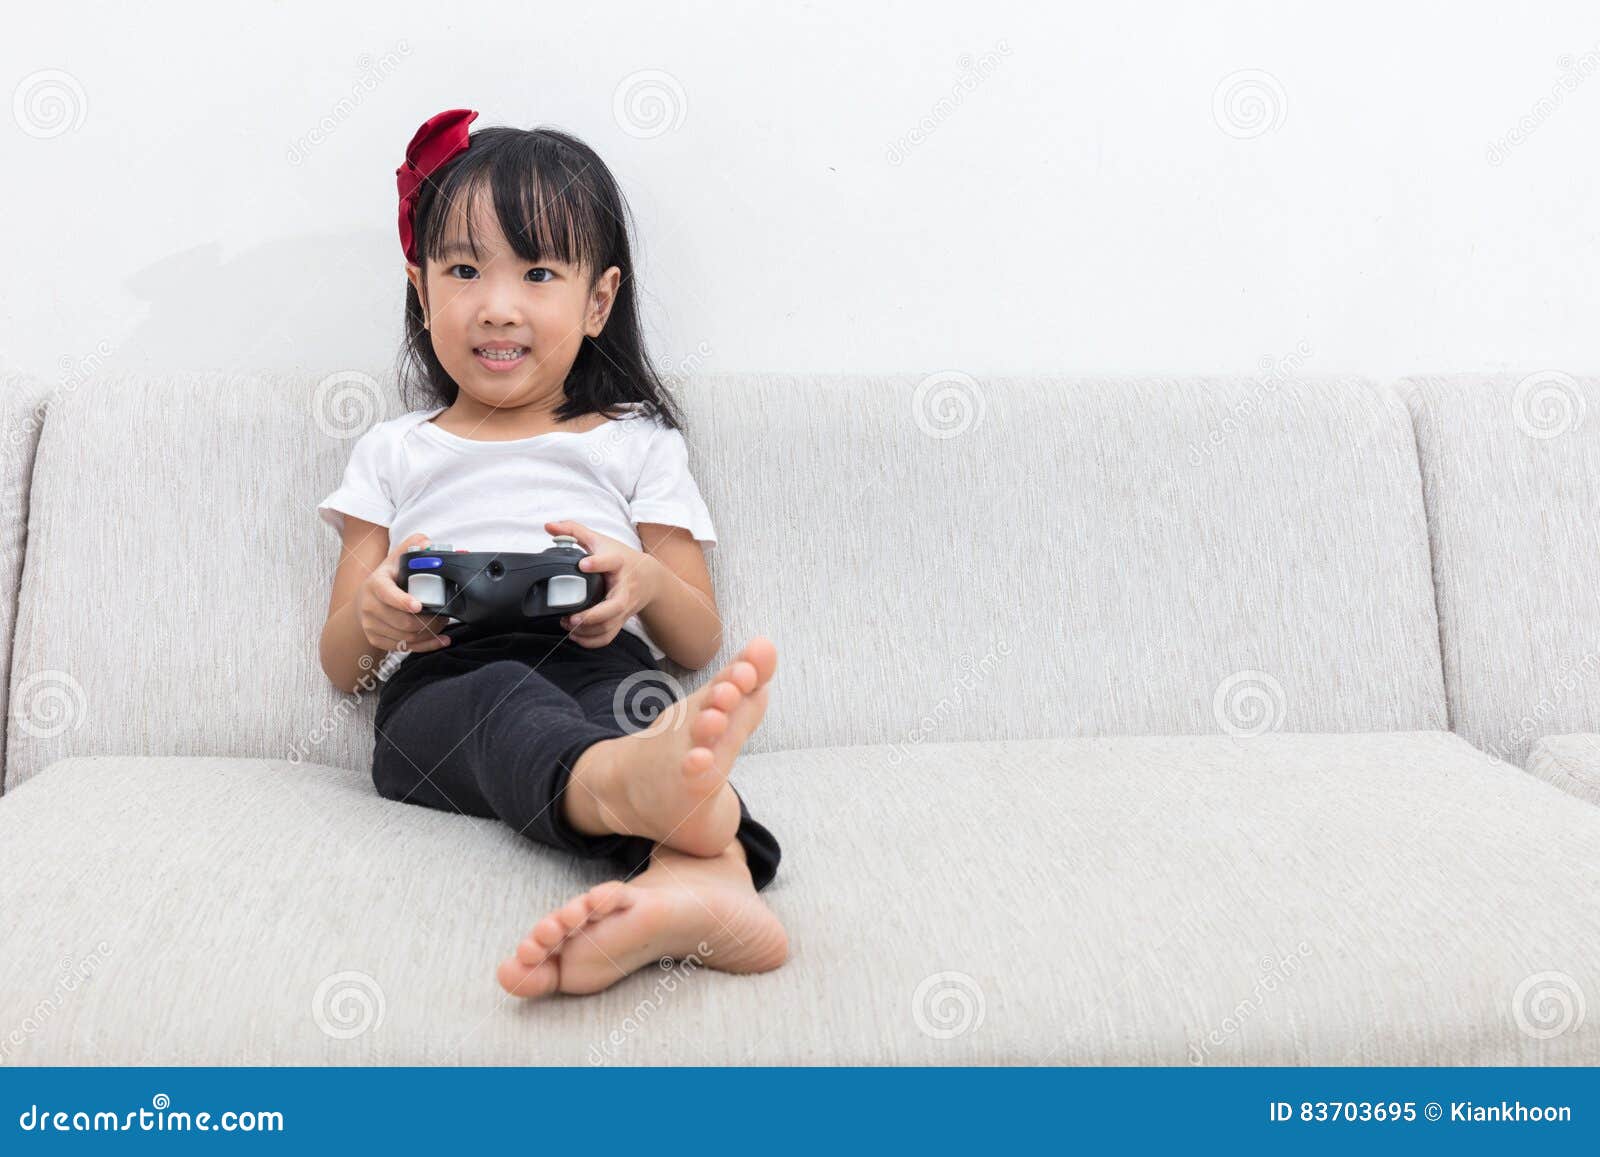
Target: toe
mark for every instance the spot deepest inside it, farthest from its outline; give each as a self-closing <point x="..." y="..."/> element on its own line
<point x="548" y="932"/>
<point x="761" y="653"/>
<point x="743" y="675"/>
<point x="574" y="912"/>
<point x="723" y="695"/>
<point x="603" y="898"/>
<point x="519" y="979"/>
<point x="708" y="726"/>
<point x="698" y="761"/>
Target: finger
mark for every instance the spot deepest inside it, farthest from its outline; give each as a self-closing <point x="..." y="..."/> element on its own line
<point x="436" y="643"/>
<point x="577" y="530"/>
<point x="423" y="633"/>
<point x="390" y="595"/>
<point x="417" y="541"/>
<point x="589" y="629"/>
<point x="600" y="563"/>
<point x="610" y="608"/>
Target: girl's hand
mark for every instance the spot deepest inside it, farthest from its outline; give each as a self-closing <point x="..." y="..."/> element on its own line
<point x="387" y="613"/>
<point x="632" y="580"/>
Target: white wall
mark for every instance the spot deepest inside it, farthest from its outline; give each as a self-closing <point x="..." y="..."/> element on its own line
<point x="1085" y="205"/>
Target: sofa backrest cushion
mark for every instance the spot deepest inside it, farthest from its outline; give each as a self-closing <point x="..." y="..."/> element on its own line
<point x="936" y="557"/>
<point x="1511" y="477"/>
<point x="23" y="401"/>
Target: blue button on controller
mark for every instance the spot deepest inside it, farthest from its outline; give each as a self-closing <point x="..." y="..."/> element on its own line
<point x="426" y="564"/>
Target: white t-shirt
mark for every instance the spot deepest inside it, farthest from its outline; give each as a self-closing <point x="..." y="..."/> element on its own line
<point x="409" y="475"/>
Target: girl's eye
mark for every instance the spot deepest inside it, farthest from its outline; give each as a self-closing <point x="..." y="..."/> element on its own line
<point x="537" y="280"/>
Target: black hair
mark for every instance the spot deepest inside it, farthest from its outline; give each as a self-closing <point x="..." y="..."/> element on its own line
<point x="554" y="198"/>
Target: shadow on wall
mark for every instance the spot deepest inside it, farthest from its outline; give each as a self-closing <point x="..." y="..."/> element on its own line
<point x="285" y="305"/>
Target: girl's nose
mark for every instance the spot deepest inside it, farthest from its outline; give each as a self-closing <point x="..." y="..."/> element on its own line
<point x="499" y="307"/>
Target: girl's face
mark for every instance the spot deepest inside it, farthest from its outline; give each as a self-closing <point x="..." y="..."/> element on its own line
<point x="476" y="305"/>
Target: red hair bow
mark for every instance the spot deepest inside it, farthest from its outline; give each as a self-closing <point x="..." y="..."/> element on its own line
<point x="438" y="140"/>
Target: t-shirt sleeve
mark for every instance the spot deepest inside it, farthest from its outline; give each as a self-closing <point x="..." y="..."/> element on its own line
<point x="364" y="491"/>
<point x="666" y="492"/>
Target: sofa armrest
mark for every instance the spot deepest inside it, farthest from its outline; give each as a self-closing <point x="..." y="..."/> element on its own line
<point x="1571" y="762"/>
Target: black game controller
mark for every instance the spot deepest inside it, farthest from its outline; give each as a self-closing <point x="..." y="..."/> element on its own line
<point x="500" y="589"/>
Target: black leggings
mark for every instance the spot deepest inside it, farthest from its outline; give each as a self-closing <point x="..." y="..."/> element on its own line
<point x="492" y="725"/>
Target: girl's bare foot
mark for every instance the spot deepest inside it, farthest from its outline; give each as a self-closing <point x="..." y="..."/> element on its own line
<point x="681" y="906"/>
<point x="669" y="782"/>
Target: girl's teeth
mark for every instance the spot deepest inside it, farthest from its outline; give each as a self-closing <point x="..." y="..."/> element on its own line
<point x="501" y="355"/>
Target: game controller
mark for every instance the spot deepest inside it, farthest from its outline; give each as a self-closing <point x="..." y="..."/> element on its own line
<point x="501" y="589"/>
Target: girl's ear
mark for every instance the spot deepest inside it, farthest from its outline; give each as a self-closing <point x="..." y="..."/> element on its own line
<point x="414" y="274"/>
<point x="601" y="298"/>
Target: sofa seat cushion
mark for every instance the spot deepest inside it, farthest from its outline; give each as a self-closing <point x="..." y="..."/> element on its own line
<point x="1362" y="899"/>
<point x="1571" y="762"/>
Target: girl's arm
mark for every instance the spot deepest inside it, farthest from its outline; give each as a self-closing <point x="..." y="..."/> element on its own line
<point x="344" y="643"/>
<point x="367" y="607"/>
<point x="682" y="616"/>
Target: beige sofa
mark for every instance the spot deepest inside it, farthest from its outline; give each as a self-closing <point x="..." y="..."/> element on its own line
<point x="1118" y="721"/>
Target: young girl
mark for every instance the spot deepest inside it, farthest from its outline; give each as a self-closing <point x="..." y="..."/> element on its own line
<point x="542" y="416"/>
